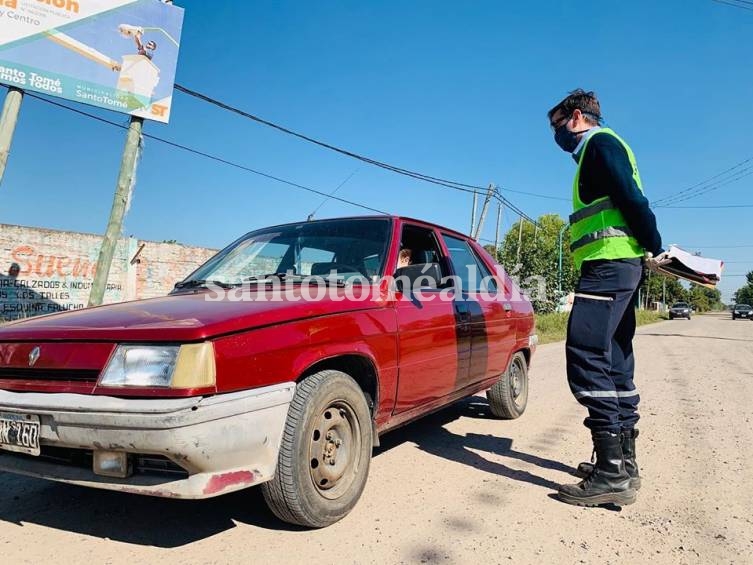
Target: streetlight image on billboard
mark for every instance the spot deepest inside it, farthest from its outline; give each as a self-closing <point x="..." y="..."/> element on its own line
<point x="114" y="54"/>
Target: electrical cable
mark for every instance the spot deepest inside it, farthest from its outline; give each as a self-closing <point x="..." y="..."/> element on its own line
<point x="455" y="185"/>
<point x="742" y="5"/>
<point x="709" y="184"/>
<point x="210" y="156"/>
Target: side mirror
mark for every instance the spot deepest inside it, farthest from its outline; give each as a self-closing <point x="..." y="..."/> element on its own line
<point x="422" y="275"/>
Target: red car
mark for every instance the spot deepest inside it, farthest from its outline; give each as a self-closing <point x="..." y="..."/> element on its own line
<point x="249" y="373"/>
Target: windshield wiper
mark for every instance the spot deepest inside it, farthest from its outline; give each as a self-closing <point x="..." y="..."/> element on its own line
<point x="329" y="281"/>
<point x="196" y="283"/>
<point x="268" y="276"/>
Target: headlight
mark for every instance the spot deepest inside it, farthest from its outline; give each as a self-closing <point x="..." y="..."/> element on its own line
<point x="167" y="366"/>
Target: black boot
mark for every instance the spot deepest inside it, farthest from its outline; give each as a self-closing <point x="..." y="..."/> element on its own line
<point x="609" y="483"/>
<point x="628" y="452"/>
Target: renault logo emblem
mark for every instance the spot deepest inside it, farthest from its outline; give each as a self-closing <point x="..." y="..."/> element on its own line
<point x="34" y="356"/>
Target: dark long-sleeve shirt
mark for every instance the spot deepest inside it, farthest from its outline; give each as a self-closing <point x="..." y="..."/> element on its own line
<point x="606" y="171"/>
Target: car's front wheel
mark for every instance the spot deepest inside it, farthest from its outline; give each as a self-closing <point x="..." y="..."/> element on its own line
<point x="508" y="397"/>
<point x="324" y="454"/>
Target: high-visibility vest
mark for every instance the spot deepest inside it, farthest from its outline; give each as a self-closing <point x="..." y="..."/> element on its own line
<point x="599" y="230"/>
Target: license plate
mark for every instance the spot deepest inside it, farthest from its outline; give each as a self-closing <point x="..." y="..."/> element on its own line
<point x="20" y="433"/>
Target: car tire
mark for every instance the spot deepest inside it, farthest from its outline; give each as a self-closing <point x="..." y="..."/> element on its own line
<point x="324" y="456"/>
<point x="508" y="397"/>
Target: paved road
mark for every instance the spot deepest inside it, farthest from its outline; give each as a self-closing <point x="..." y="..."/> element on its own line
<point x="460" y="487"/>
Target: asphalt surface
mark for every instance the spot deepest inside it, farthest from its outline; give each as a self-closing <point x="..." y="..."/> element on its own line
<point x="461" y="487"/>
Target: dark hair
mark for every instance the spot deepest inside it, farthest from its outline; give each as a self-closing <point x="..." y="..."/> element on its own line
<point x="581" y="100"/>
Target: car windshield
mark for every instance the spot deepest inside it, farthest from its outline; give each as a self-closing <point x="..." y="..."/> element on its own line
<point x="743" y="307"/>
<point x="681" y="305"/>
<point x="350" y="249"/>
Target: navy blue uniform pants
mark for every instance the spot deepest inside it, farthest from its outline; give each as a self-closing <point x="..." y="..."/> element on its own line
<point x="599" y="345"/>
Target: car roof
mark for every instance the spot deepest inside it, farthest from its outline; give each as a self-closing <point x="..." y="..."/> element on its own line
<point x="373" y="217"/>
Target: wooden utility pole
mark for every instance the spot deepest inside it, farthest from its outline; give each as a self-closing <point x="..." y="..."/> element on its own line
<point x="484" y="209"/>
<point x="520" y="237"/>
<point x="496" y="236"/>
<point x="8" y="121"/>
<point x="123" y="190"/>
<point x="473" y="213"/>
<point x="664" y="293"/>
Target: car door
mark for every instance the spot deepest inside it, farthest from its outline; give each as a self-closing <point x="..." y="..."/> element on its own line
<point x="434" y="354"/>
<point x="490" y="317"/>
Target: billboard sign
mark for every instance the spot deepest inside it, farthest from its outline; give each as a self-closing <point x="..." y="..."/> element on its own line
<point x="114" y="54"/>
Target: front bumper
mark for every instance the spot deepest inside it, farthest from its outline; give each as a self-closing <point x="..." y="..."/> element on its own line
<point x="223" y="443"/>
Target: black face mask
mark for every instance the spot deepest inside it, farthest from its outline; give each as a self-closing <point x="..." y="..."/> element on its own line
<point x="566" y="139"/>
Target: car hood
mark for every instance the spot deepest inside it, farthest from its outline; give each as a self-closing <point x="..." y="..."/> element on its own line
<point x="179" y="318"/>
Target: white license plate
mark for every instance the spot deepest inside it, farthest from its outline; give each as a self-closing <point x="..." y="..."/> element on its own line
<point x="20" y="433"/>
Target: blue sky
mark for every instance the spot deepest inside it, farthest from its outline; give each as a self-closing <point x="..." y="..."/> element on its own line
<point x="454" y="89"/>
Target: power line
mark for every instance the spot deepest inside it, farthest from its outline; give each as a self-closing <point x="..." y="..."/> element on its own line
<point x="455" y="185"/>
<point x="745" y="173"/>
<point x="497" y="196"/>
<point x="708" y="207"/>
<point x="718" y="246"/>
<point x="704" y="182"/>
<point x="732" y="174"/>
<point x="742" y="5"/>
<point x="538" y="195"/>
<point x="283" y="129"/>
<point x="210" y="156"/>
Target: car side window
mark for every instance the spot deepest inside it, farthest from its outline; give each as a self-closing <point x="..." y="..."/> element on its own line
<point x="420" y="246"/>
<point x="469" y="268"/>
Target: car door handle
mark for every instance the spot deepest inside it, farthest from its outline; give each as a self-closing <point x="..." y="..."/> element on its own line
<point x="507" y="306"/>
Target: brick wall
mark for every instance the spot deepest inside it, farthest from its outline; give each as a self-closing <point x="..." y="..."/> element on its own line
<point x="56" y="269"/>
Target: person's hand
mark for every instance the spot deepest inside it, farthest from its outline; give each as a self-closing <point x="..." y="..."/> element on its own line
<point x="653" y="263"/>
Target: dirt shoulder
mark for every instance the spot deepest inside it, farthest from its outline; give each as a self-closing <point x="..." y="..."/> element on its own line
<point x="461" y="487"/>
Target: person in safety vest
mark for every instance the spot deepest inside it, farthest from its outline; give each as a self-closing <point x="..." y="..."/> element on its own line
<point x="612" y="234"/>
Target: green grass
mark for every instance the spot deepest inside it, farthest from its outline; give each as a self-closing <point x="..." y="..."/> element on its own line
<point x="553" y="327"/>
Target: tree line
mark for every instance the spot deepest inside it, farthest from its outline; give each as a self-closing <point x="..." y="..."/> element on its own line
<point x="531" y="254"/>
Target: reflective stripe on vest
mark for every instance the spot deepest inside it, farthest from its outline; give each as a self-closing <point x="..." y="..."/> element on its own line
<point x="599" y="230"/>
<point x="590" y="210"/>
<point x="601" y="234"/>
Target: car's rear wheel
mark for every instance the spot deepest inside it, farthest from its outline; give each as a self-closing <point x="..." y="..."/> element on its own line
<point x="508" y="397"/>
<point x="325" y="452"/>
